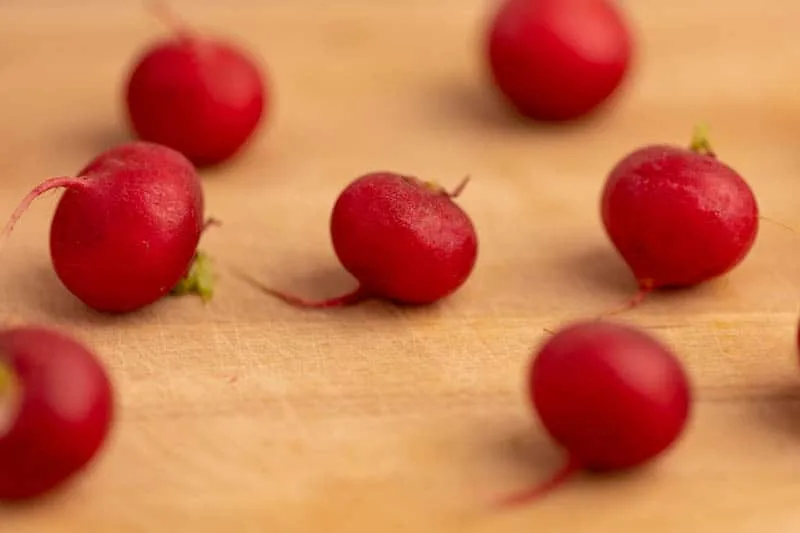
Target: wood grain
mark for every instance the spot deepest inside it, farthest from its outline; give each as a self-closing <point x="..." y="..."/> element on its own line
<point x="247" y="416"/>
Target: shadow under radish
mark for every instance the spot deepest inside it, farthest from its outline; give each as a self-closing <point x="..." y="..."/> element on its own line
<point x="598" y="268"/>
<point x="456" y="100"/>
<point x="47" y="297"/>
<point x="547" y="470"/>
<point x="19" y="509"/>
<point x="526" y="451"/>
<point x="322" y="285"/>
<point x="461" y="102"/>
<point x="313" y="285"/>
<point x="779" y="409"/>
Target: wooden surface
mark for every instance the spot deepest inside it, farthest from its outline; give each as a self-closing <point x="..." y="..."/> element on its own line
<point x="248" y="416"/>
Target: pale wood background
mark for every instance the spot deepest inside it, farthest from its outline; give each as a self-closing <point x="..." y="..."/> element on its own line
<point x="248" y="416"/>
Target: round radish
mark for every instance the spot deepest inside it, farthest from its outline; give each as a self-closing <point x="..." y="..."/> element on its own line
<point x="797" y="336"/>
<point x="678" y="216"/>
<point x="56" y="410"/>
<point x="126" y="228"/>
<point x="557" y="60"/>
<point x="199" y="95"/>
<point x="612" y="396"/>
<point x="403" y="239"/>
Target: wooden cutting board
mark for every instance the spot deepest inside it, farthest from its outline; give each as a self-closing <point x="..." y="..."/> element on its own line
<point x="245" y="415"/>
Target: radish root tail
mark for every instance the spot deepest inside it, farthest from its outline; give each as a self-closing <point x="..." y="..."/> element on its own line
<point x="351" y="298"/>
<point x="645" y="288"/>
<point x="560" y="477"/>
<point x="777" y="223"/>
<point x="45" y="186"/>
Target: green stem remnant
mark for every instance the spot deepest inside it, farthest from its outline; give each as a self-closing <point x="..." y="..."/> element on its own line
<point x="459" y="188"/>
<point x="438" y="189"/>
<point x="700" y="143"/>
<point x="9" y="397"/>
<point x="199" y="280"/>
<point x="211" y="221"/>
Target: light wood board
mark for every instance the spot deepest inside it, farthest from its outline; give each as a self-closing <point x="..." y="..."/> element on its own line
<point x="248" y="416"/>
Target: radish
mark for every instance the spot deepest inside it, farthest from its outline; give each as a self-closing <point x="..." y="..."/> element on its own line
<point x="127" y="227"/>
<point x="612" y="396"/>
<point x="678" y="216"/>
<point x="56" y="410"/>
<point x="403" y="239"/>
<point x="557" y="60"/>
<point x="202" y="96"/>
<point x="797" y="336"/>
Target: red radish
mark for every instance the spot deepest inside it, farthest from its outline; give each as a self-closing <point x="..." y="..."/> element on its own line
<point x="612" y="396"/>
<point x="127" y="227"/>
<point x="199" y="95"/>
<point x="56" y="410"/>
<point x="556" y="60"/>
<point x="403" y="239"/>
<point x="797" y="336"/>
<point x="678" y="216"/>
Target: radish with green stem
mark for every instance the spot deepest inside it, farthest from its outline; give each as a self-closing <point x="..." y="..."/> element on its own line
<point x="126" y="229"/>
<point x="678" y="216"/>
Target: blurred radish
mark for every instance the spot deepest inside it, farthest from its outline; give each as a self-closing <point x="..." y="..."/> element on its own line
<point x="611" y="395"/>
<point x="56" y="410"/>
<point x="197" y="94"/>
<point x="557" y="60"/>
